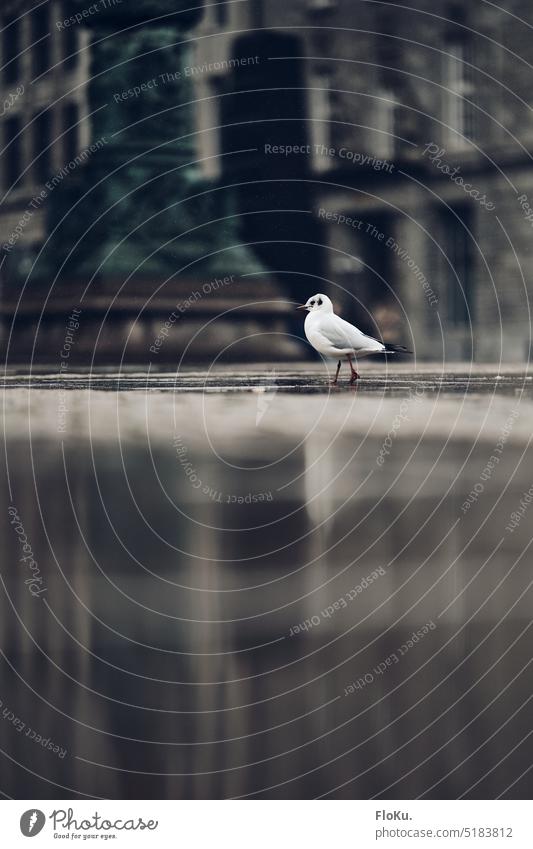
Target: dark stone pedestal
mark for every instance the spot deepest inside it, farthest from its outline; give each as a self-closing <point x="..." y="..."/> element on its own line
<point x="223" y="319"/>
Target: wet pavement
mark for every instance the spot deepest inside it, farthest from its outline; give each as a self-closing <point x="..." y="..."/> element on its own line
<point x="250" y="584"/>
<point x="301" y="378"/>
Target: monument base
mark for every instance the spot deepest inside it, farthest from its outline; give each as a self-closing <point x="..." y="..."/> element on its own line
<point x="225" y="319"/>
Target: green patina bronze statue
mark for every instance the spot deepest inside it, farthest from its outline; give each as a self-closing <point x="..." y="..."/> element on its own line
<point x="138" y="206"/>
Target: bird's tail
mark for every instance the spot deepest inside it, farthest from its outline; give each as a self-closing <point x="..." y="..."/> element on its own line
<point x="395" y="349"/>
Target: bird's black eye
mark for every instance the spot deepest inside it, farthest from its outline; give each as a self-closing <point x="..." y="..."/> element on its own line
<point x="319" y="303"/>
<point x="312" y="303"/>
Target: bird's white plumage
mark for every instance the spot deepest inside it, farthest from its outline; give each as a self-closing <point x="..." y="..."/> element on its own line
<point x="332" y="336"/>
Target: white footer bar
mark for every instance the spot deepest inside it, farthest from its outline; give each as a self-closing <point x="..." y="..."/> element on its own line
<point x="268" y="824"/>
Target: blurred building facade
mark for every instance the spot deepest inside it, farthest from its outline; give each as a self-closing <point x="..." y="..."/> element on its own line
<point x="416" y="124"/>
<point x="44" y="122"/>
<point x="378" y="152"/>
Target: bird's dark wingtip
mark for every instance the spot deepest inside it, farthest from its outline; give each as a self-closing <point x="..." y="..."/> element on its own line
<point x="396" y="349"/>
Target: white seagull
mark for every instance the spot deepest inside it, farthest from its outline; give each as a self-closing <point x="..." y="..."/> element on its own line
<point x="332" y="336"/>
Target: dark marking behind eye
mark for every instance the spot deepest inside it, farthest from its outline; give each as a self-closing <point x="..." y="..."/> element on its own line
<point x="319" y="303"/>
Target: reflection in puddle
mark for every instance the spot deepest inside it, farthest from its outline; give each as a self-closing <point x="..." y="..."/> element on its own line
<point x="228" y="598"/>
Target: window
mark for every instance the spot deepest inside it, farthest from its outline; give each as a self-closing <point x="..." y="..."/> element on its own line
<point x="41" y="39"/>
<point x="459" y="113"/>
<point x="458" y="248"/>
<point x="221" y="13"/>
<point x="378" y="269"/>
<point x="257" y="14"/>
<point x="13" y="153"/>
<point x="11" y="48"/>
<point x="41" y="150"/>
<point x="71" y="145"/>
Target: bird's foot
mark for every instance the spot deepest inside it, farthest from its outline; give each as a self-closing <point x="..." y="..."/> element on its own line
<point x="354" y="377"/>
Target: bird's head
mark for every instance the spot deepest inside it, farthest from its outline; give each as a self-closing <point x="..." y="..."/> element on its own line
<point x="318" y="303"/>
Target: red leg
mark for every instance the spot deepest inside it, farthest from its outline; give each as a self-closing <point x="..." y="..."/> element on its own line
<point x="354" y="376"/>
<point x="337" y="373"/>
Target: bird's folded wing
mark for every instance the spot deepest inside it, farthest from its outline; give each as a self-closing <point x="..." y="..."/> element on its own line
<point x="341" y="334"/>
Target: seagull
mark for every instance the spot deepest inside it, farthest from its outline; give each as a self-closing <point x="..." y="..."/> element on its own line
<point x="332" y="336"/>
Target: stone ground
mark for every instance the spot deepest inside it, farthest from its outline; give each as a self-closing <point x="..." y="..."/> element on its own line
<point x="299" y="378"/>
